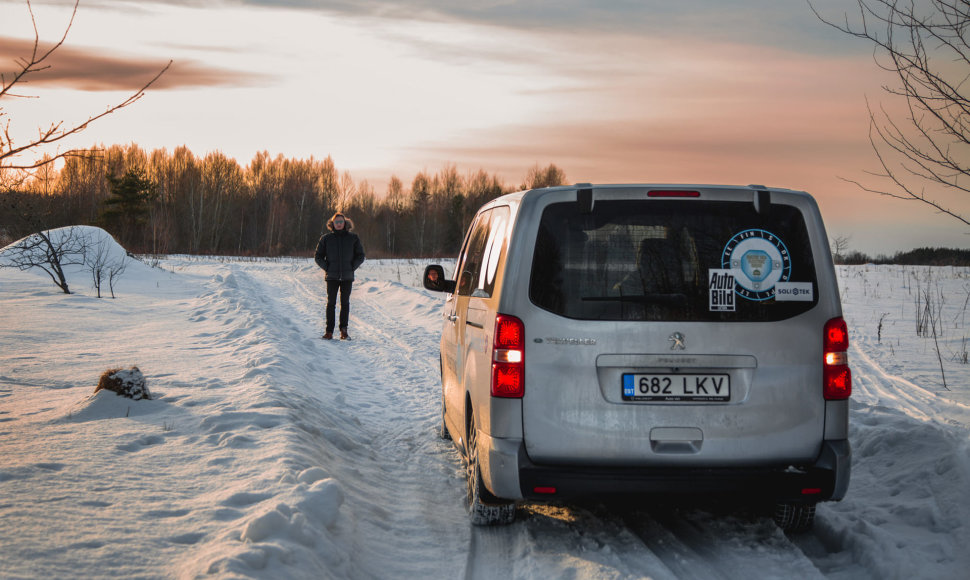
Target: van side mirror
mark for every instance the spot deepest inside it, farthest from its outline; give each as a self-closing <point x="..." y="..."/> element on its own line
<point x="434" y="279"/>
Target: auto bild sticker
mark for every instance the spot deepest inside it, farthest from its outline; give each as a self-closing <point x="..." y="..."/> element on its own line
<point x="759" y="260"/>
<point x="721" y="288"/>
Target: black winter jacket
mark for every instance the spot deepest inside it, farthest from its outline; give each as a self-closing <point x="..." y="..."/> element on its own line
<point x="339" y="253"/>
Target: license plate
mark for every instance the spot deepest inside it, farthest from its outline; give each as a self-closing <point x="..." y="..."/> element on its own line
<point x="676" y="387"/>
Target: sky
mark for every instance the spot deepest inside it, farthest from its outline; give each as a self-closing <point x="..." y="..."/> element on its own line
<point x="703" y="91"/>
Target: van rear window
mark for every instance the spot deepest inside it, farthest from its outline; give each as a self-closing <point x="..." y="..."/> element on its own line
<point x="673" y="260"/>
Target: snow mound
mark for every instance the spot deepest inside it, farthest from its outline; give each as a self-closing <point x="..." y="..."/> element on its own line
<point x="321" y="501"/>
<point x="107" y="405"/>
<point x="86" y="235"/>
<point x="314" y="505"/>
<point x="84" y="245"/>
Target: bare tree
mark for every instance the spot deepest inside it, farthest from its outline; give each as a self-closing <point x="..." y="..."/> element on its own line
<point x="96" y="262"/>
<point x="13" y="170"/>
<point x="926" y="45"/>
<point x="50" y="251"/>
<point x="538" y="177"/>
<point x="839" y="246"/>
<point x="115" y="269"/>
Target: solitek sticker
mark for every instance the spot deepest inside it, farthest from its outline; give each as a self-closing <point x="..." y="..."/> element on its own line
<point x="794" y="292"/>
<point x="721" y="290"/>
<point x="759" y="261"/>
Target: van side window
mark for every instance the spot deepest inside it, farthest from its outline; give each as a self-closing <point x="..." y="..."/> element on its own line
<point x="474" y="252"/>
<point x="494" y="249"/>
<point x="485" y="248"/>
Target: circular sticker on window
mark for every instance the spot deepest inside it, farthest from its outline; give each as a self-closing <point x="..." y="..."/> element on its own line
<point x="759" y="260"/>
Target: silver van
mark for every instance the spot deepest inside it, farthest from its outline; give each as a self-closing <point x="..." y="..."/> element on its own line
<point x="646" y="339"/>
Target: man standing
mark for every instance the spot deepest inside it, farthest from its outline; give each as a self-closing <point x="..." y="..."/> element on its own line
<point x="339" y="253"/>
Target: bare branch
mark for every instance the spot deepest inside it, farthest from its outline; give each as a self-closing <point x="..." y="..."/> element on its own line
<point x="56" y="131"/>
<point x="36" y="61"/>
<point x="926" y="45"/>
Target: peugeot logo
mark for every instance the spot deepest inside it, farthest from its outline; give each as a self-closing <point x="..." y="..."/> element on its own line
<point x="677" y="341"/>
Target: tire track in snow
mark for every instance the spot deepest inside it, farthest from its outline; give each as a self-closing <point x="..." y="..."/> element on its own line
<point x="872" y="381"/>
<point x="417" y="466"/>
<point x="634" y="538"/>
<point x="722" y="542"/>
<point x="402" y="502"/>
<point x="560" y="541"/>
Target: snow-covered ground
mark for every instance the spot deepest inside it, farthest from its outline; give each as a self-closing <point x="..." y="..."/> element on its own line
<point x="269" y="453"/>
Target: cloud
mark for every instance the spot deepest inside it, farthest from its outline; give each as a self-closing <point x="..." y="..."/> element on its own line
<point x="652" y="150"/>
<point x="708" y="113"/>
<point x="93" y="70"/>
<point x="792" y="25"/>
<point x="756" y="22"/>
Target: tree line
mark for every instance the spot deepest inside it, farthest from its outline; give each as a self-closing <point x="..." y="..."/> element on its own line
<point x="163" y="202"/>
<point x="915" y="257"/>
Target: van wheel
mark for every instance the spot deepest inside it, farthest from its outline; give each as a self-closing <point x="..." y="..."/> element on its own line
<point x="443" y="426"/>
<point x="795" y="517"/>
<point x="484" y="509"/>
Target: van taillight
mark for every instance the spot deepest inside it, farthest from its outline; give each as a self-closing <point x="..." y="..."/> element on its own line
<point x="836" y="376"/>
<point x="508" y="357"/>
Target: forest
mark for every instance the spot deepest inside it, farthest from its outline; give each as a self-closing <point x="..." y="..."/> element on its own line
<point x="163" y="202"/>
<point x="914" y="257"/>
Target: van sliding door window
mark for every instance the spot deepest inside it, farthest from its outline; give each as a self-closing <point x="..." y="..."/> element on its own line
<point x="674" y="260"/>
<point x="486" y="246"/>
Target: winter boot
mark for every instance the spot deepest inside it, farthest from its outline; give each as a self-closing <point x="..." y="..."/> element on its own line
<point x="343" y="334"/>
<point x="328" y="335"/>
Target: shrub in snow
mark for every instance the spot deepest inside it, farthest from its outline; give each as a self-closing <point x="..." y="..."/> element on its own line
<point x="125" y="382"/>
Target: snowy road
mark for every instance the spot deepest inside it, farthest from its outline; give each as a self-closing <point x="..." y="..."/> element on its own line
<point x="269" y="453"/>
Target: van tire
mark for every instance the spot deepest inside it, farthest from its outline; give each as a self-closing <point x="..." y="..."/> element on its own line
<point x="484" y="509"/>
<point x="443" y="425"/>
<point x="795" y="517"/>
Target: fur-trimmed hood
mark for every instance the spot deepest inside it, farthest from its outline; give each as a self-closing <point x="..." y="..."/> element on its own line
<point x="348" y="224"/>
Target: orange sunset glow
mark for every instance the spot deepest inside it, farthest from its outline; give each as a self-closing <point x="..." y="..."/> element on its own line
<point x="705" y="92"/>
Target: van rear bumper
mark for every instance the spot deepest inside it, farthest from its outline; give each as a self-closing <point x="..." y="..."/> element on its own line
<point x="512" y="475"/>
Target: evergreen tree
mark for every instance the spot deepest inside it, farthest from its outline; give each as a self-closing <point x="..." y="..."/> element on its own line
<point x="128" y="204"/>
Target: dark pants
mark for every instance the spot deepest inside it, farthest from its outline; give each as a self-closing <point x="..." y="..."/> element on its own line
<point x="344" y="287"/>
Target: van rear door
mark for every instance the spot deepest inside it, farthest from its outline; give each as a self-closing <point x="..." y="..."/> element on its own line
<point x="676" y="330"/>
